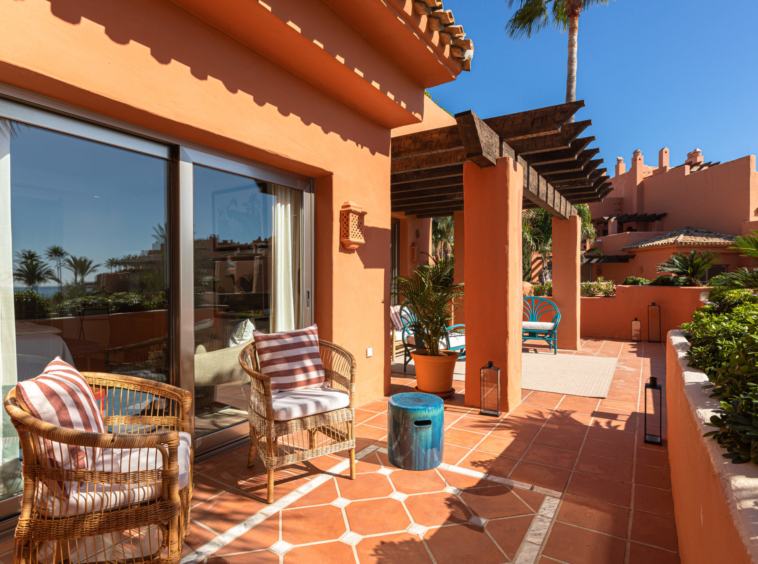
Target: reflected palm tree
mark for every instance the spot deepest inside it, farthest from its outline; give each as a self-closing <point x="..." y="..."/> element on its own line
<point x="10" y="128"/>
<point x="56" y="253"/>
<point x="81" y="267"/>
<point x="31" y="271"/>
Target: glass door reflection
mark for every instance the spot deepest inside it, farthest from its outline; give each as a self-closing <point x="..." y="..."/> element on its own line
<point x="248" y="241"/>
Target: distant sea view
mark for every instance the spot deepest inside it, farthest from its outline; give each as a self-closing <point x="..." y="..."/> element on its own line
<point x="47" y="291"/>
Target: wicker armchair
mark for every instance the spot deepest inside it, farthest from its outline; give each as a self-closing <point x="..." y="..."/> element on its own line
<point x="280" y="443"/>
<point x="130" y="507"/>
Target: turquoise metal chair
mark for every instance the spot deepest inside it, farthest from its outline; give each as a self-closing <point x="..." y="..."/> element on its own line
<point x="534" y="328"/>
<point x="455" y="338"/>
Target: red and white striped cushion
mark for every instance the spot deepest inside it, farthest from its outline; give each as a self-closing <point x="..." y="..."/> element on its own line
<point x="291" y="359"/>
<point x="61" y="396"/>
<point x="397" y="321"/>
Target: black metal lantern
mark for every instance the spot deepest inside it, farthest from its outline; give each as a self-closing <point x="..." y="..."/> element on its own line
<point x="654" y="323"/>
<point x="490" y="380"/>
<point x="653" y="418"/>
<point x="636" y="331"/>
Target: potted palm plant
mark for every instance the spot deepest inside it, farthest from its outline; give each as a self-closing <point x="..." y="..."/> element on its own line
<point x="430" y="297"/>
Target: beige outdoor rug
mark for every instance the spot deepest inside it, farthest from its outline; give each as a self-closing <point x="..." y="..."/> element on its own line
<point x="588" y="376"/>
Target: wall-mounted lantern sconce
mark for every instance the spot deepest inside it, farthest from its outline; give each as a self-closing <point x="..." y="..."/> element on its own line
<point x="351" y="225"/>
<point x="415" y="252"/>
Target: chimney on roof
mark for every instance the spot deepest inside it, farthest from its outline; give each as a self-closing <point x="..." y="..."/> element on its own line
<point x="695" y="157"/>
<point x="620" y="166"/>
<point x="663" y="158"/>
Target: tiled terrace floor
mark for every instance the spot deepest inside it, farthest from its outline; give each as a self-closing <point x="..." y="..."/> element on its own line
<point x="560" y="479"/>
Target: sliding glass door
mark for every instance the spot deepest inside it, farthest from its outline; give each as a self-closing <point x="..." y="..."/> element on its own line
<point x="247" y="276"/>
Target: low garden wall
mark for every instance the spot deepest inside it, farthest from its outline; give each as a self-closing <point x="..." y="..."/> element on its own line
<point x="611" y="318"/>
<point x="715" y="501"/>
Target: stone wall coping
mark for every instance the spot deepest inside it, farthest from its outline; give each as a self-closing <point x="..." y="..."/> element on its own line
<point x="739" y="481"/>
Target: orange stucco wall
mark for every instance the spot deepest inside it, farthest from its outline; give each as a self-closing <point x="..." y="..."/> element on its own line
<point x="705" y="524"/>
<point x="611" y="318"/>
<point x="153" y="64"/>
<point x="493" y="261"/>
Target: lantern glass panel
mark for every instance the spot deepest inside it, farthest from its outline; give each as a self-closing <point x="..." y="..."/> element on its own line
<point x="490" y="382"/>
<point x="636" y="330"/>
<point x="654" y="323"/>
<point x="653" y="412"/>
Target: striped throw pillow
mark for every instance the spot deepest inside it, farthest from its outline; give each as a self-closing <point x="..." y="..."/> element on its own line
<point x="291" y="359"/>
<point x="395" y="318"/>
<point x="61" y="396"/>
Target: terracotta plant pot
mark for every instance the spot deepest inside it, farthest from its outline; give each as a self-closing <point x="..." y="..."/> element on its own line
<point x="434" y="374"/>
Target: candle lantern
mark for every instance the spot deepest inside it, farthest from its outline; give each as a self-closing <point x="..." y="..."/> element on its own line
<point x="490" y="382"/>
<point x="654" y="323"/>
<point x="653" y="411"/>
<point x="636" y="331"/>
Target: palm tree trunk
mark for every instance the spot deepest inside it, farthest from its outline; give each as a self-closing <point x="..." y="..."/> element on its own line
<point x="572" y="63"/>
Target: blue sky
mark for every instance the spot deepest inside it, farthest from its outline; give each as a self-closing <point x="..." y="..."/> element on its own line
<point x="653" y="73"/>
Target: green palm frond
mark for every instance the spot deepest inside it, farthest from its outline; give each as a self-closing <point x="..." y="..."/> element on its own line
<point x="741" y="278"/>
<point x="747" y="245"/>
<point x="690" y="267"/>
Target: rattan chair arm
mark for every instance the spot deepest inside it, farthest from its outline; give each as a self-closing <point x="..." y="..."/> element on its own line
<point x="254" y="374"/>
<point x="147" y="420"/>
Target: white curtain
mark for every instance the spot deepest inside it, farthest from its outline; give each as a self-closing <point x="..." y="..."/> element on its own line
<point x="9" y="464"/>
<point x="283" y="299"/>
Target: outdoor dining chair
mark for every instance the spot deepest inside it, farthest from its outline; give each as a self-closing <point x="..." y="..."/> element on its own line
<point x="454" y="340"/>
<point x="535" y="327"/>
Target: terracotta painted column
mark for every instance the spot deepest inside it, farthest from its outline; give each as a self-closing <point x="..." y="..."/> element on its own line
<point x="567" y="235"/>
<point x="492" y="204"/>
<point x="459" y="252"/>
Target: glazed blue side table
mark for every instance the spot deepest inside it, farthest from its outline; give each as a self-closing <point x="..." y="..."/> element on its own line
<point x="416" y="427"/>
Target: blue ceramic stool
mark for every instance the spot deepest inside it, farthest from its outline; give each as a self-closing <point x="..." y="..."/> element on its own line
<point x="416" y="427"/>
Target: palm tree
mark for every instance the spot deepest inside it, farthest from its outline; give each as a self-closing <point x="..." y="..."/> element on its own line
<point x="690" y="267"/>
<point x="25" y="255"/>
<point x="112" y="263"/>
<point x="56" y="253"/>
<point x="33" y="272"/>
<point x="443" y="229"/>
<point x="533" y="15"/>
<point x="81" y="267"/>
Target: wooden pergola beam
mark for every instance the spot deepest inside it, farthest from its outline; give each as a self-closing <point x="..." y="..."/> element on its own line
<point x="534" y="123"/>
<point x="431" y="193"/>
<point x="424" y="206"/>
<point x="421" y="142"/>
<point x="561" y="155"/>
<point x="441" y="172"/>
<point x="540" y="192"/>
<point x="433" y="200"/>
<point x="561" y="140"/>
<point x="426" y="184"/>
<point x="481" y="143"/>
<point x="429" y="160"/>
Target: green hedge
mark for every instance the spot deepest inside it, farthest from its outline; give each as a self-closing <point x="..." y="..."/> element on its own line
<point x="635" y="281"/>
<point x="724" y="344"/>
<point x="29" y="304"/>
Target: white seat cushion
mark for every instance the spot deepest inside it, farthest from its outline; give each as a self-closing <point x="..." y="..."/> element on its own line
<point x="456" y="340"/>
<point x="537" y="326"/>
<point x="90" y="498"/>
<point x="398" y="336"/>
<point x="295" y="404"/>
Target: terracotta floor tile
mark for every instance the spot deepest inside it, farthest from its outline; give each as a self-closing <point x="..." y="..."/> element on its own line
<point x="534" y="411"/>
<point x="542" y="402"/>
<point x="653" y="476"/>
<point x="365" y="486"/>
<point x="488" y="463"/>
<point x="376" y="516"/>
<point x="284" y="483"/>
<point x="601" y="489"/>
<point x="568" y="417"/>
<point x="461" y="481"/>
<point x="551" y="456"/>
<point x="580" y="400"/>
<point x="452" y="454"/>
<point x="572" y="429"/>
<point x="259" y="537"/>
<point x="578" y="407"/>
<point x="617" y="451"/>
<point x="553" y="438"/>
<point x="332" y="552"/>
<point x="508" y="533"/>
<point x="403" y="548"/>
<point x="226" y="510"/>
<point x="435" y="509"/>
<point x="234" y="470"/>
<point x="462" y="438"/>
<point x="312" y="524"/>
<point x="376" y="406"/>
<point x="611" y="436"/>
<point x="515" y="430"/>
<point x="264" y="557"/>
<point x="641" y="554"/>
<point x="653" y="500"/>
<point x="206" y="488"/>
<point x="222" y="458"/>
<point x="476" y="424"/>
<point x="532" y="499"/>
<point x="656" y="530"/>
<point x="605" y="467"/>
<point x="362" y="415"/>
<point x="492" y="503"/>
<point x="368" y="464"/>
<point x="412" y="482"/>
<point x="580" y="546"/>
<point x="323" y="494"/>
<point x="595" y="515"/>
<point x="197" y="537"/>
<point x="366" y="431"/>
<point x="503" y="447"/>
<point x="538" y="475"/>
<point x="650" y="457"/>
<point x="313" y="466"/>
<point x="459" y="543"/>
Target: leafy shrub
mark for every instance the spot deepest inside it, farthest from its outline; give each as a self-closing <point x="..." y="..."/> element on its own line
<point x="28" y="304"/>
<point x="635" y="281"/>
<point x="726" y="300"/>
<point x="545" y="289"/>
<point x="667" y="280"/>
<point x="120" y="302"/>
<point x="598" y="288"/>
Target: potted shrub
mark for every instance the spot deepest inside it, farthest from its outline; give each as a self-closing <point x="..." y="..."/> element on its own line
<point x="430" y="297"/>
